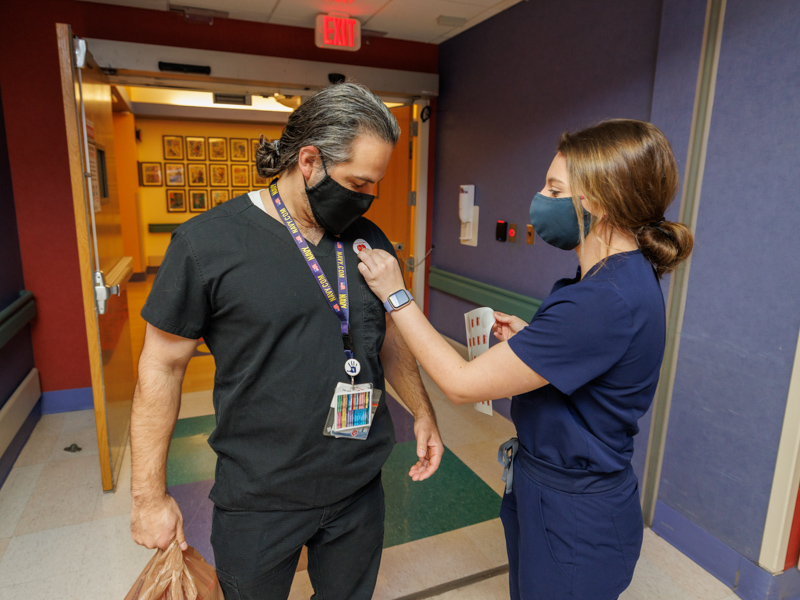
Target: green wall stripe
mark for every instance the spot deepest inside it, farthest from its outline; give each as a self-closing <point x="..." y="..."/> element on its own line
<point x="484" y="294"/>
<point x="15" y="316"/>
<point x="162" y="227"/>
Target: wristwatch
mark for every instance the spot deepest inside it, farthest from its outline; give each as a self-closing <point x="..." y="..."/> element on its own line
<point x="398" y="300"/>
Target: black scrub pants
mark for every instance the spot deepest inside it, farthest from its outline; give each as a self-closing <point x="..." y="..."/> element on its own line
<point x="257" y="552"/>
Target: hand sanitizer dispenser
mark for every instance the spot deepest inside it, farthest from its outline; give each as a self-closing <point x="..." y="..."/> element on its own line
<point x="468" y="215"/>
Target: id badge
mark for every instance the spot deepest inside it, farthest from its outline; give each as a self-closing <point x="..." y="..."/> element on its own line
<point x="351" y="411"/>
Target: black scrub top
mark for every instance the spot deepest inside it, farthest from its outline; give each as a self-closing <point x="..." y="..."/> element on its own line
<point x="235" y="277"/>
<point x="599" y="342"/>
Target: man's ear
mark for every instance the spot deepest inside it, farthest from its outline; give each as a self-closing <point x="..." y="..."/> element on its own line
<point x="307" y="159"/>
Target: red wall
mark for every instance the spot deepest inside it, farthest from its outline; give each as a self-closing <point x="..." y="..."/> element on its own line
<point x="37" y="144"/>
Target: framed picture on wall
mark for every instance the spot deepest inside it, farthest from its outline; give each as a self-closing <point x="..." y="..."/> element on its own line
<point x="195" y="148"/>
<point x="219" y="175"/>
<point x="217" y="148"/>
<point x="240" y="192"/>
<point x="254" y="144"/>
<point x="176" y="200"/>
<point x="150" y="174"/>
<point x="240" y="175"/>
<point x="219" y="196"/>
<point x="239" y="149"/>
<point x="198" y="175"/>
<point x="198" y="200"/>
<point x="259" y="181"/>
<point x="175" y="173"/>
<point x="173" y="147"/>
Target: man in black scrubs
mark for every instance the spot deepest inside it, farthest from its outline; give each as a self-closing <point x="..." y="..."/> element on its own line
<point x="270" y="281"/>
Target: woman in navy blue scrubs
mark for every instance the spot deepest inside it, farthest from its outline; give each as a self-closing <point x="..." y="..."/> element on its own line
<point x="583" y="371"/>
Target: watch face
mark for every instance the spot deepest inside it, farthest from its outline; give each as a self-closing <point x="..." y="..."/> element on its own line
<point x="398" y="299"/>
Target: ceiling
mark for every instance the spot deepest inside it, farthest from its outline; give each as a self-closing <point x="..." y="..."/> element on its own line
<point x="416" y="20"/>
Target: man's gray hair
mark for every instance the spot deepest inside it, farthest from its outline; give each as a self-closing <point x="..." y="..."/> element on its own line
<point x="330" y="120"/>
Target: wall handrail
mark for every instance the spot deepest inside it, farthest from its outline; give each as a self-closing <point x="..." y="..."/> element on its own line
<point x="484" y="294"/>
<point x="16" y="315"/>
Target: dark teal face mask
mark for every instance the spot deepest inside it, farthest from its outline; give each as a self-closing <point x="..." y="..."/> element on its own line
<point x="555" y="221"/>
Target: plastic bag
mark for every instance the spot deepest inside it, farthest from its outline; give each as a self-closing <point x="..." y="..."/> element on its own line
<point x="175" y="575"/>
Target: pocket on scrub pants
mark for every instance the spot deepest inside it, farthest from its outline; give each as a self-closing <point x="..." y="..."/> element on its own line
<point x="630" y="529"/>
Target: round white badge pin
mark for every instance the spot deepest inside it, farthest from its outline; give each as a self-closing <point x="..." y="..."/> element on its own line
<point x="361" y="244"/>
<point x="352" y="367"/>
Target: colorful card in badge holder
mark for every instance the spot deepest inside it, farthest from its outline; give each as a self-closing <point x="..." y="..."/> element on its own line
<point x="336" y="417"/>
<point x="479" y="330"/>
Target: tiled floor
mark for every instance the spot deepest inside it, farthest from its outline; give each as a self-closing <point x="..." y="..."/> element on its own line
<point x="60" y="536"/>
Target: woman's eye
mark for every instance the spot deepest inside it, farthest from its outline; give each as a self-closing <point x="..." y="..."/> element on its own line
<point x="553" y="192"/>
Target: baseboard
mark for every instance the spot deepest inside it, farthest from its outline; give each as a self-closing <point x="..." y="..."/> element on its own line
<point x="747" y="579"/>
<point x="16" y="410"/>
<point x="67" y="400"/>
<point x="139" y="277"/>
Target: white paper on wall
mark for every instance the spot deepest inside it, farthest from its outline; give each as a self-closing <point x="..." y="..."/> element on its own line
<point x="479" y="330"/>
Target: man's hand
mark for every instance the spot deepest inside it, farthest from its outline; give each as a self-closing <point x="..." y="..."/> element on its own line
<point x="429" y="448"/>
<point x="156" y="522"/>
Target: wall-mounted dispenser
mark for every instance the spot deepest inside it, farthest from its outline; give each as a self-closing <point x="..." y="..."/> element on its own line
<point x="468" y="214"/>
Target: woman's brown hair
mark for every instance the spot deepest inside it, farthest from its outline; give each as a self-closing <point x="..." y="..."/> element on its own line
<point x="627" y="172"/>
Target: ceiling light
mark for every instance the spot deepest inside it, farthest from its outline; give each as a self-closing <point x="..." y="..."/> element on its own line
<point x="446" y="21"/>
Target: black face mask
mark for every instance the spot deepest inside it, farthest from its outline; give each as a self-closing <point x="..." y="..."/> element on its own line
<point x="335" y="207"/>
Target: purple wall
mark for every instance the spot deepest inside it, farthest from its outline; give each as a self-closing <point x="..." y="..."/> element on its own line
<point x="16" y="357"/>
<point x="679" y="47"/>
<point x="742" y="310"/>
<point x="508" y="89"/>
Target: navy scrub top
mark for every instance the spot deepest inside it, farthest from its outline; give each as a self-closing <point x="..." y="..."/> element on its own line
<point x="599" y="341"/>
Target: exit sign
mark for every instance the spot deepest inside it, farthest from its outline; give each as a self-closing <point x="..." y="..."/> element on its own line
<point x="338" y="32"/>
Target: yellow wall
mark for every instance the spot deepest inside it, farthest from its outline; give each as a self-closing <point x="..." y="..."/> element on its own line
<point x="153" y="200"/>
<point x="128" y="185"/>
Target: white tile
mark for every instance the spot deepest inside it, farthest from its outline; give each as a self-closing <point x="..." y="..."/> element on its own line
<point x="651" y="583"/>
<point x="681" y="570"/>
<point x="426" y="563"/>
<point x="38" y="448"/>
<point x="65" y="494"/>
<point x="495" y="588"/>
<point x="55" y="552"/>
<point x="84" y="437"/>
<point x="14" y="496"/>
<point x="51" y="423"/>
<point x="57" y="586"/>
<point x="110" y="547"/>
<point x="78" y="419"/>
<point x="118" y="502"/>
<point x="197" y="404"/>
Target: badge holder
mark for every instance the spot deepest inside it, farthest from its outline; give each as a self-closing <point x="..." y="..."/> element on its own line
<point x="352" y="407"/>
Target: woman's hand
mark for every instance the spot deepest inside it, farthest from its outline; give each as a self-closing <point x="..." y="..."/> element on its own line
<point x="506" y="326"/>
<point x="381" y="272"/>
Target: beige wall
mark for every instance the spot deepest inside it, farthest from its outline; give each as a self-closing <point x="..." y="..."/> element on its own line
<point x="153" y="200"/>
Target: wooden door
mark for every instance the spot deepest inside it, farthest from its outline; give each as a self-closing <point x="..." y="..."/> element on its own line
<point x="99" y="234"/>
<point x="391" y="210"/>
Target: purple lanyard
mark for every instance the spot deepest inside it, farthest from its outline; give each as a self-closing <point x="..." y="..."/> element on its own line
<point x="339" y="305"/>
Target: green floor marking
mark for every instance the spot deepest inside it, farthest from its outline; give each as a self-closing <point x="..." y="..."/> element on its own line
<point x="190" y="457"/>
<point x="454" y="497"/>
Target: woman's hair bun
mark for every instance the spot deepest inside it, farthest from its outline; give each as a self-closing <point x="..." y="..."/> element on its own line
<point x="665" y="244"/>
<point x="267" y="157"/>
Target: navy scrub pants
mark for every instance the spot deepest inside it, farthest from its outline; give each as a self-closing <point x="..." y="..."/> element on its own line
<point x="257" y="552"/>
<point x="568" y="537"/>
